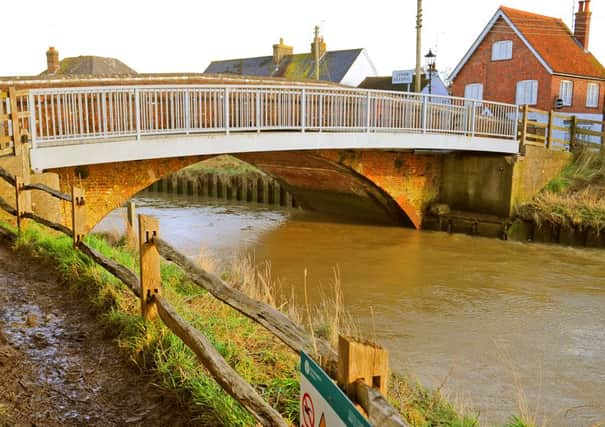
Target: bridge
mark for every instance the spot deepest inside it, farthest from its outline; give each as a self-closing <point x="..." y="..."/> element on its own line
<point x="377" y="153"/>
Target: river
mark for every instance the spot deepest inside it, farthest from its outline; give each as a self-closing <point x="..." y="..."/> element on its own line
<point x="501" y="326"/>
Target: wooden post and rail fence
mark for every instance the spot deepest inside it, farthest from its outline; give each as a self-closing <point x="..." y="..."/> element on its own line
<point x="547" y="133"/>
<point x="360" y="369"/>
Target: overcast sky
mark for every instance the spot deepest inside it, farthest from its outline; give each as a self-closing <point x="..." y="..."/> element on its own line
<point x="184" y="36"/>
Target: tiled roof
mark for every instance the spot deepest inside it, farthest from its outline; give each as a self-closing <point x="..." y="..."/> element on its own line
<point x="555" y="43"/>
<point x="92" y="65"/>
<point x="333" y="66"/>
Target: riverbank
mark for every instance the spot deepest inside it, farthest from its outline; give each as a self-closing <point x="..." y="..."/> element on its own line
<point x="251" y="351"/>
<point x="571" y="209"/>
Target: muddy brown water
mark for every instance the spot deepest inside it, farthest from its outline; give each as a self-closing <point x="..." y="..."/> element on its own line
<point x="503" y="327"/>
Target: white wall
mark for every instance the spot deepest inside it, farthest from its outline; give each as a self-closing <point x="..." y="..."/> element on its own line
<point x="361" y="68"/>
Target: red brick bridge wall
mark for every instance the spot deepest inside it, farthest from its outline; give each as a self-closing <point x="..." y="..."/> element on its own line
<point x="394" y="187"/>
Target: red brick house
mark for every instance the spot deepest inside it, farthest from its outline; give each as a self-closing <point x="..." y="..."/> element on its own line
<point x="524" y="58"/>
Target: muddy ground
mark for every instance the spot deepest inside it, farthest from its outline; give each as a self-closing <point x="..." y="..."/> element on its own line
<point x="57" y="367"/>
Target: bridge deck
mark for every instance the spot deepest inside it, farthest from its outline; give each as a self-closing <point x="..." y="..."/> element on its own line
<point x="67" y="122"/>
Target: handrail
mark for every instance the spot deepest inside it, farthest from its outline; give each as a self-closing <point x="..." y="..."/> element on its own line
<point x="60" y="116"/>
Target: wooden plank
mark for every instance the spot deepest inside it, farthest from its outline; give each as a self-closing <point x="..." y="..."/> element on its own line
<point x="589" y="122"/>
<point x="15" y="121"/>
<point x="380" y="412"/>
<point x="534" y="143"/>
<point x="7" y="176"/>
<point x="55" y="193"/>
<point x="273" y="320"/>
<point x="220" y="370"/>
<point x="58" y="227"/>
<point x="536" y="110"/>
<point x="7" y="208"/>
<point x="149" y="232"/>
<point x="580" y="131"/>
<point x="19" y="202"/>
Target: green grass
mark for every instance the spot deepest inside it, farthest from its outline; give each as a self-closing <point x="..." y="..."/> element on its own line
<point x="224" y="166"/>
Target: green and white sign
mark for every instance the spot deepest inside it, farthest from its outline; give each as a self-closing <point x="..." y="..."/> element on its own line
<point x="322" y="403"/>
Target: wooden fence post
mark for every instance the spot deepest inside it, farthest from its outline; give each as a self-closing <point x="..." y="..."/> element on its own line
<point x="572" y="131"/>
<point x="149" y="232"/>
<point x="549" y="130"/>
<point x="78" y="215"/>
<point x="12" y="94"/>
<point x="524" y="118"/>
<point x="19" y="202"/>
<point x="130" y="219"/>
<point x="361" y="361"/>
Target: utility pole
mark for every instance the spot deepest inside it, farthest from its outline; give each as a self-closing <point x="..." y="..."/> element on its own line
<point x="417" y="85"/>
<point x="316" y="41"/>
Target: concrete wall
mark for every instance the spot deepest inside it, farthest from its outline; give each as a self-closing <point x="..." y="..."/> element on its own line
<point x="496" y="184"/>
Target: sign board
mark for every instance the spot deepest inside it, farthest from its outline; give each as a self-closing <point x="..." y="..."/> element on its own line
<point x="402" y="77"/>
<point x="322" y="403"/>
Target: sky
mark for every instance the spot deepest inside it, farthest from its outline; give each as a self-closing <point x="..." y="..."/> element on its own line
<point x="184" y="36"/>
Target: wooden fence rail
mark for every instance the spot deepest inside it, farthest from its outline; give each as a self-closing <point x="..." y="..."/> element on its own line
<point x="379" y="411"/>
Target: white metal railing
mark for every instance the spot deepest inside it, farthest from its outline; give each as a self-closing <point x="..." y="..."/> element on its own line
<point x="78" y="115"/>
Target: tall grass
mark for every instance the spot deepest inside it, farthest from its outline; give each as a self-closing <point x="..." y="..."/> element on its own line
<point x="575" y="199"/>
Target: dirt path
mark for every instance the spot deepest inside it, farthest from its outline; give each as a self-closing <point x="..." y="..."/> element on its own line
<point x="56" y="366"/>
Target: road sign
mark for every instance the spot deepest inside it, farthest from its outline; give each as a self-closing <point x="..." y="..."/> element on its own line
<point x="402" y="76"/>
<point x="322" y="403"/>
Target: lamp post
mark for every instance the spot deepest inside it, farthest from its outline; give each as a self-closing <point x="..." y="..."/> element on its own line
<point x="430" y="66"/>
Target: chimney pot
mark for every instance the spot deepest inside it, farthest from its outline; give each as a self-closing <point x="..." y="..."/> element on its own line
<point x="582" y="23"/>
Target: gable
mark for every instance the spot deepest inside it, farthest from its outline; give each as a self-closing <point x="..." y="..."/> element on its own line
<point x="548" y="39"/>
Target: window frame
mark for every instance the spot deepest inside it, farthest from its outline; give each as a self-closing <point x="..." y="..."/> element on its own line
<point x="471" y="87"/>
<point x="533" y="98"/>
<point x="596" y="95"/>
<point x="498" y="48"/>
<point x="567" y="98"/>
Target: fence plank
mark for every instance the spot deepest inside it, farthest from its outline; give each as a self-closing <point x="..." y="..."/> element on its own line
<point x="224" y="374"/>
<point x="55" y="193"/>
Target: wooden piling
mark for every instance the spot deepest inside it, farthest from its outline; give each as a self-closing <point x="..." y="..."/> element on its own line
<point x="19" y="202"/>
<point x="130" y="221"/>
<point x="150" y="265"/>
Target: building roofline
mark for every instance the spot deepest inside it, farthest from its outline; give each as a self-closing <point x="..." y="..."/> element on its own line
<point x="500" y="13"/>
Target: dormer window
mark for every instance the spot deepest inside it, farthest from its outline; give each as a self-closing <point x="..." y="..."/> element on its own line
<point x="502" y="50"/>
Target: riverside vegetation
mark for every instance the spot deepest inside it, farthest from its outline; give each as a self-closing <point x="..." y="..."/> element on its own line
<point x="574" y="200"/>
<point x="263" y="361"/>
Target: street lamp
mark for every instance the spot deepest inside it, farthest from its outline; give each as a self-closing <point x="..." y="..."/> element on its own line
<point x="430" y="66"/>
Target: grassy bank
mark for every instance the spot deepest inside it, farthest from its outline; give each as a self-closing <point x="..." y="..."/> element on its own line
<point x="268" y="365"/>
<point x="223" y="166"/>
<point x="575" y="199"/>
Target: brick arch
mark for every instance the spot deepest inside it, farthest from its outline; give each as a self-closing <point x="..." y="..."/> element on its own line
<point x="378" y="186"/>
<point x="109" y="185"/>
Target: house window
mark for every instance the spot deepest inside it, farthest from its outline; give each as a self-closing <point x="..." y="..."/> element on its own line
<point x="592" y="95"/>
<point x="502" y="50"/>
<point x="527" y="92"/>
<point x="566" y="92"/>
<point x="473" y="91"/>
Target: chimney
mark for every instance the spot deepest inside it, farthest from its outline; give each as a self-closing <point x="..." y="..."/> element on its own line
<point x="318" y="41"/>
<point x="582" y="24"/>
<point x="280" y="51"/>
<point x="52" y="60"/>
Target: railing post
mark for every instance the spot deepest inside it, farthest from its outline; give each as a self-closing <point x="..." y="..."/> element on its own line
<point x="19" y="202"/>
<point x="226" y="110"/>
<point x="368" y="110"/>
<point x="137" y="112"/>
<point x="516" y="125"/>
<point x="150" y="265"/>
<point x="104" y="113"/>
<point x="78" y="216"/>
<point x="32" y="119"/>
<point x="321" y="111"/>
<point x="16" y="125"/>
<point x="187" y="112"/>
<point x="424" y="113"/>
<point x="473" y="118"/>
<point x="258" y="110"/>
<point x="303" y="110"/>
<point x="549" y="130"/>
